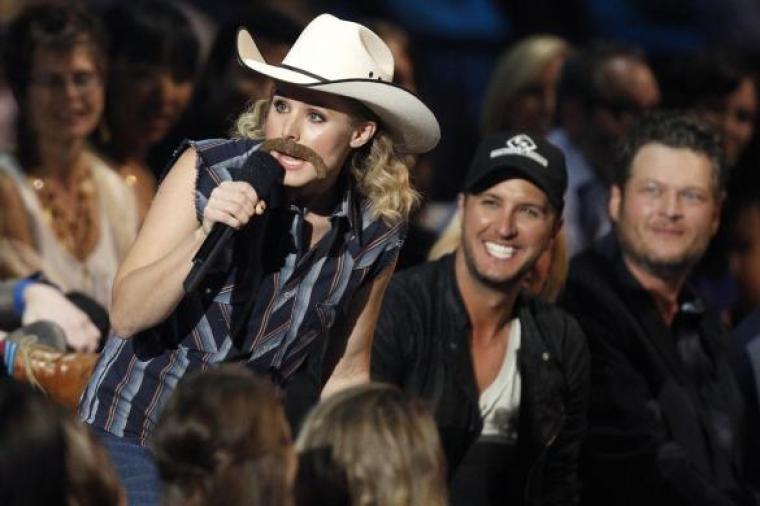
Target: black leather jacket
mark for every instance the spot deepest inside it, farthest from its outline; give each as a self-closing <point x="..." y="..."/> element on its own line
<point x="421" y="344"/>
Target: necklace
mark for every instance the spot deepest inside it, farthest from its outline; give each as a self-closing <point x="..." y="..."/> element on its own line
<point x="69" y="211"/>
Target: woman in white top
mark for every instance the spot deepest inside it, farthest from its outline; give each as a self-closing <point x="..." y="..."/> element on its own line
<point x="66" y="213"/>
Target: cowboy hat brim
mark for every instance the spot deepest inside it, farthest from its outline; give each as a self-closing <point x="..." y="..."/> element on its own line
<point x="408" y="119"/>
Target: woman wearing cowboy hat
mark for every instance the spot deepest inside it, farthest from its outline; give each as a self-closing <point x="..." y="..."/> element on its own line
<point x="298" y="291"/>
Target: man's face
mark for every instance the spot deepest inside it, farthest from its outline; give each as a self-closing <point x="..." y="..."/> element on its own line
<point x="504" y="231"/>
<point x="326" y="124"/>
<point x="668" y="211"/>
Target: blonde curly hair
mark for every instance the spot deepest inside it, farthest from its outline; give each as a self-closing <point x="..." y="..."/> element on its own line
<point x="379" y="170"/>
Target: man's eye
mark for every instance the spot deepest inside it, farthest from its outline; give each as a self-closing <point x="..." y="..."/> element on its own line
<point x="692" y="196"/>
<point x="653" y="190"/>
<point x="531" y="212"/>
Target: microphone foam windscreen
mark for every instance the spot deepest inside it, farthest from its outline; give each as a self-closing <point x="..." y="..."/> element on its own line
<point x="262" y="172"/>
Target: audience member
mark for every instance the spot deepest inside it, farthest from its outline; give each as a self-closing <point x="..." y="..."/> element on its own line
<point x="522" y="92"/>
<point x="26" y="301"/>
<point x="226" y="87"/>
<point x="743" y="245"/>
<point x="666" y="419"/>
<point x="224" y="439"/>
<point x="306" y="276"/>
<point x="545" y="280"/>
<point x="602" y="90"/>
<point x="154" y="59"/>
<point x="382" y="441"/>
<point x="48" y="457"/>
<point x="66" y="213"/>
<point x="719" y="90"/>
<point x="506" y="374"/>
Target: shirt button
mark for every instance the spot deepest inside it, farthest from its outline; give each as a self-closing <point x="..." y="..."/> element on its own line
<point x="545" y="356"/>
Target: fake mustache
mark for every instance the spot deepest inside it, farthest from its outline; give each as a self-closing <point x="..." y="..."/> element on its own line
<point x="291" y="148"/>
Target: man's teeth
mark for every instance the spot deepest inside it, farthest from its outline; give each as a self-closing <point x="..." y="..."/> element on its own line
<point x="499" y="251"/>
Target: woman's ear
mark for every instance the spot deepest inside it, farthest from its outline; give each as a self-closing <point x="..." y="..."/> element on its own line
<point x="362" y="134"/>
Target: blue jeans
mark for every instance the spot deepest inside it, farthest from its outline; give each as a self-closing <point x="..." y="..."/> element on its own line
<point x="136" y="469"/>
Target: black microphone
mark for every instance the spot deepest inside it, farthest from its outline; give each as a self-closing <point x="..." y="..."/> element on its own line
<point x="263" y="173"/>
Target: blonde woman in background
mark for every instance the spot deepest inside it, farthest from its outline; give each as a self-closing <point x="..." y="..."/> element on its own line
<point x="522" y="91"/>
<point x="382" y="442"/>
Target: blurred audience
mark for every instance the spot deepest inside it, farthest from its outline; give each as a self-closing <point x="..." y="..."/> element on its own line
<point x="226" y="87"/>
<point x="602" y="91"/>
<point x="28" y="301"/>
<point x="522" y="93"/>
<point x="66" y="214"/>
<point x="49" y="457"/>
<point x="377" y="442"/>
<point x="743" y="245"/>
<point x="720" y="90"/>
<point x="667" y="422"/>
<point x="224" y="439"/>
<point x="154" y="60"/>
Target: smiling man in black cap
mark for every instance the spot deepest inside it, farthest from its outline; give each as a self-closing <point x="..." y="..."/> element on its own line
<point x="506" y="375"/>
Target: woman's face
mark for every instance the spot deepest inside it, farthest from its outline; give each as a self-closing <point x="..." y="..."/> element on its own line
<point x="145" y="102"/>
<point x="532" y="110"/>
<point x="65" y="96"/>
<point x="323" y="123"/>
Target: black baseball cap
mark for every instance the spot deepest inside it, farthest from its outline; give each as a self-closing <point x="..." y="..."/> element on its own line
<point x="504" y="155"/>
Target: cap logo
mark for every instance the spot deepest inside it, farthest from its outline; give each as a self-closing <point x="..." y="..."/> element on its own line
<point x="521" y="145"/>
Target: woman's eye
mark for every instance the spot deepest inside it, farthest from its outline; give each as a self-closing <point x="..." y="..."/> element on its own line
<point x="280" y="106"/>
<point x="316" y="117"/>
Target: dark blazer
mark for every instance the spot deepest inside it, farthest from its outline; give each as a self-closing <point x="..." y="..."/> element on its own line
<point x="652" y="438"/>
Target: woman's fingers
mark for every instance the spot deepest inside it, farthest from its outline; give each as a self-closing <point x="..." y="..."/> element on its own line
<point x="232" y="203"/>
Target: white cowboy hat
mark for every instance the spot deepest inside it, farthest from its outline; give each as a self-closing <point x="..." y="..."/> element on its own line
<point x="347" y="59"/>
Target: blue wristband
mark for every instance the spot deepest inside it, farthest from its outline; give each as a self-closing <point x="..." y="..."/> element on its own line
<point x="10" y="355"/>
<point x="19" y="305"/>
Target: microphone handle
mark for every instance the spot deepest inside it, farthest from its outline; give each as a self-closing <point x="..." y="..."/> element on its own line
<point x="206" y="256"/>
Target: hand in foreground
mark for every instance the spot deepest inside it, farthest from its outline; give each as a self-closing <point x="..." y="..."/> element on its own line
<point x="44" y="302"/>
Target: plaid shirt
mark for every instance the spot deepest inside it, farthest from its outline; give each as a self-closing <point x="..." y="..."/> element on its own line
<point x="300" y="294"/>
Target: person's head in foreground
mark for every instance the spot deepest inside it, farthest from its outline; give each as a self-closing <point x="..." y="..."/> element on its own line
<point x="47" y="456"/>
<point x="511" y="208"/>
<point x="224" y="439"/>
<point x="666" y="200"/>
<point x="381" y="441"/>
<point x="335" y="112"/>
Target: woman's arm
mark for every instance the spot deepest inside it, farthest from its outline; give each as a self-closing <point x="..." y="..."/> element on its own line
<point x="353" y="366"/>
<point x="148" y="285"/>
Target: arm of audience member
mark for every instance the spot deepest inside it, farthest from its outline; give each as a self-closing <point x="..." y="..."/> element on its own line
<point x="353" y="366"/>
<point x="628" y="444"/>
<point x="148" y="285"/>
<point x="388" y="360"/>
<point x="45" y="302"/>
<point x="561" y="483"/>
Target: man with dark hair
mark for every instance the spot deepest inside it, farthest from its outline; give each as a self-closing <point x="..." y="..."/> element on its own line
<point x="666" y="416"/>
<point x="506" y="375"/>
<point x="601" y="92"/>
